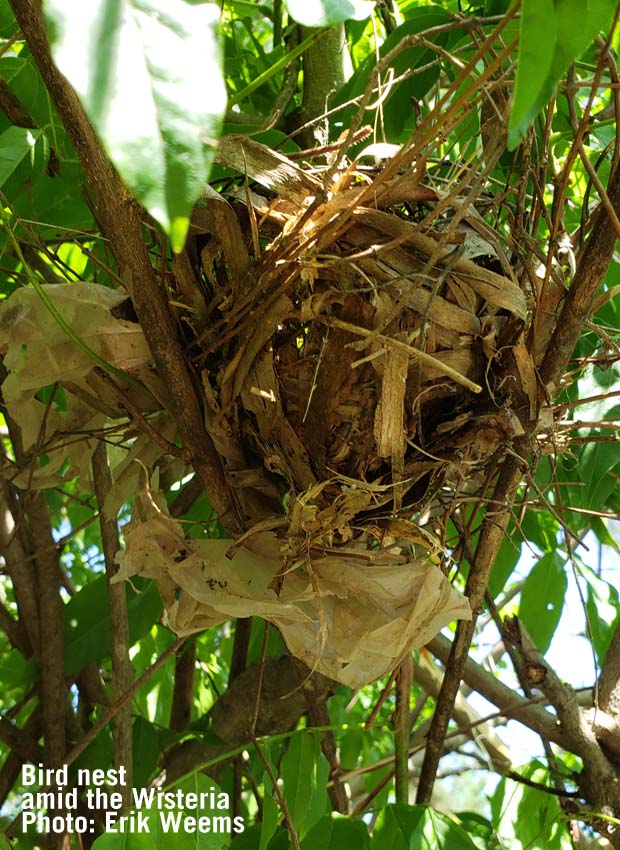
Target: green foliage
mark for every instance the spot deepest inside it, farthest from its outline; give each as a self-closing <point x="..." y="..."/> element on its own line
<point x="398" y="113"/>
<point x="598" y="459"/>
<point x="418" y="828"/>
<point x="553" y="34"/>
<point x="87" y="638"/>
<point x="334" y="832"/>
<point x="542" y="598"/>
<point x="526" y="818"/>
<point x="141" y="71"/>
<point x="16" y="145"/>
<point x="602" y="609"/>
<point x="271" y="813"/>
<point x="305" y="772"/>
<point x="323" y="13"/>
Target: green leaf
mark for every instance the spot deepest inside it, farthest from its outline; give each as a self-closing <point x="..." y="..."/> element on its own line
<point x="397" y="105"/>
<point x="525" y="818"/>
<point x="553" y="34"/>
<point x="248" y="840"/>
<point x="541" y="527"/>
<point x="147" y="745"/>
<point x="542" y="599"/>
<point x="536" y="46"/>
<point x="323" y="13"/>
<point x="395" y="825"/>
<point x="598" y="459"/>
<point x="16" y="145"/>
<point x="478" y="828"/>
<point x="17" y="671"/>
<point x="86" y="620"/>
<point x="124" y="841"/>
<point x="148" y="74"/>
<point x="602" y="608"/>
<point x="335" y="832"/>
<point x="505" y="563"/>
<point x="600" y="529"/>
<point x="271" y="813"/>
<point x="436" y="830"/>
<point x="176" y="828"/>
<point x="305" y="771"/>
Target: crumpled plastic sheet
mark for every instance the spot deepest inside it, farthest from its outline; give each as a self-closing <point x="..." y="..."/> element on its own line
<point x="38" y="353"/>
<point x="348" y="617"/>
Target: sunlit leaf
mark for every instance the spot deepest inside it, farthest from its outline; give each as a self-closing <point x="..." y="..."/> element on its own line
<point x="437" y="830"/>
<point x="323" y="13"/>
<point x="395" y="825"/>
<point x="525" y="818"/>
<point x="553" y="34"/>
<point x="305" y="772"/>
<point x="542" y="599"/>
<point x="335" y="832"/>
<point x="86" y="619"/>
<point x="16" y="145"/>
<point x="602" y="609"/>
<point x="148" y="74"/>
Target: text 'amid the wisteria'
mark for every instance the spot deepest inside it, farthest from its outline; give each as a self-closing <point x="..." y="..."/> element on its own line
<point x="94" y="800"/>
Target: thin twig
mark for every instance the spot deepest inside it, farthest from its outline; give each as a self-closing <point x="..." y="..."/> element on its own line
<point x="268" y="769"/>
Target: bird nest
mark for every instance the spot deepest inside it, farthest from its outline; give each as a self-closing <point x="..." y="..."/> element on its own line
<point x="348" y="329"/>
<point x="351" y="368"/>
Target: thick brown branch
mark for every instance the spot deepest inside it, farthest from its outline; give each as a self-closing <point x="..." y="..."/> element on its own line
<point x="13" y="108"/>
<point x="429" y="676"/>
<point x="592" y="265"/>
<point x="609" y="680"/>
<point x="52" y="687"/>
<point x="10" y="770"/>
<point x="20" y="742"/>
<point x="183" y="693"/>
<point x="491" y="536"/>
<point x="599" y="780"/>
<point x="14" y="630"/>
<point x="109" y="713"/>
<point x="508" y="701"/>
<point x="19" y="566"/>
<point x="122" y="668"/>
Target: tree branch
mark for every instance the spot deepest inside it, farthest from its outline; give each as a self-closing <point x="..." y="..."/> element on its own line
<point x="429" y="676"/>
<point x="491" y="536"/>
<point x="508" y="701"/>
<point x="600" y="782"/>
<point x="19" y="567"/>
<point x="592" y="264"/>
<point x="122" y="668"/>
<point x="11" y="768"/>
<point x="183" y="693"/>
<point x="608" y="688"/>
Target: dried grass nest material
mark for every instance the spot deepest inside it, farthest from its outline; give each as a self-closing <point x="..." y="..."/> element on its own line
<point x="349" y="371"/>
